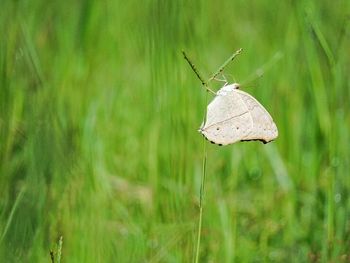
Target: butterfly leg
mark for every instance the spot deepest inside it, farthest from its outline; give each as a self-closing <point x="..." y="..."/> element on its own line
<point x="222" y="80"/>
<point x="226" y="82"/>
<point x="210" y="90"/>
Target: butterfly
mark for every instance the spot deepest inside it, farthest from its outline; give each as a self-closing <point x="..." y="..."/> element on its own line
<point x="234" y="115"/>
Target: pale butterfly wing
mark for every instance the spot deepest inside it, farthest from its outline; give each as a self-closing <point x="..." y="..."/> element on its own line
<point x="224" y="107"/>
<point x="230" y="130"/>
<point x="228" y="119"/>
<point x="264" y="128"/>
<point x="234" y="116"/>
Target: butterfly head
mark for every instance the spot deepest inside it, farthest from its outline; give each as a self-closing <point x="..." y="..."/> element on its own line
<point x="228" y="88"/>
<point x="236" y="85"/>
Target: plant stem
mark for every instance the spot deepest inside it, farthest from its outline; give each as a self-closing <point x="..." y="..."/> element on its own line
<point x="204" y="168"/>
<point x="201" y="198"/>
<point x="198" y="74"/>
<point x="221" y="69"/>
<point x="59" y="249"/>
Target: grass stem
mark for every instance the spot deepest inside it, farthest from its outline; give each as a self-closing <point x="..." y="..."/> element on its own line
<point x="198" y="74"/>
<point x="201" y="198"/>
<point x="204" y="172"/>
<point x="222" y="67"/>
<point x="59" y="249"/>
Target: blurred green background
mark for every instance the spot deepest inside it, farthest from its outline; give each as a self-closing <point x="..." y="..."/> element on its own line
<point x="99" y="143"/>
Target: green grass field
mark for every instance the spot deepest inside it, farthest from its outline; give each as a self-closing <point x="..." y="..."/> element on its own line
<point x="99" y="114"/>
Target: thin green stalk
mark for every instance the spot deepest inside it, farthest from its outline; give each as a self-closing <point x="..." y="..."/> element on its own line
<point x="201" y="194"/>
<point x="221" y="69"/>
<point x="204" y="168"/>
<point x="59" y="249"/>
<point x="201" y="198"/>
<point x="12" y="212"/>
<point x="198" y="74"/>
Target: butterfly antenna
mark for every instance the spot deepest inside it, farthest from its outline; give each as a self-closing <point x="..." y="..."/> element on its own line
<point x="198" y="74"/>
<point x="253" y="77"/>
<point x="259" y="72"/>
<point x="224" y="79"/>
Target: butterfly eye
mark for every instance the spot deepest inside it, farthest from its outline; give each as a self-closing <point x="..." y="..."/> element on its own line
<point x="236" y="85"/>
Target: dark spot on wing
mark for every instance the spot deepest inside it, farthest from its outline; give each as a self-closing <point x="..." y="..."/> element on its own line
<point x="216" y="143"/>
<point x="211" y="141"/>
<point x="260" y="140"/>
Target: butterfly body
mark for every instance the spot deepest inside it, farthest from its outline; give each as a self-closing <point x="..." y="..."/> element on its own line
<point x="234" y="115"/>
